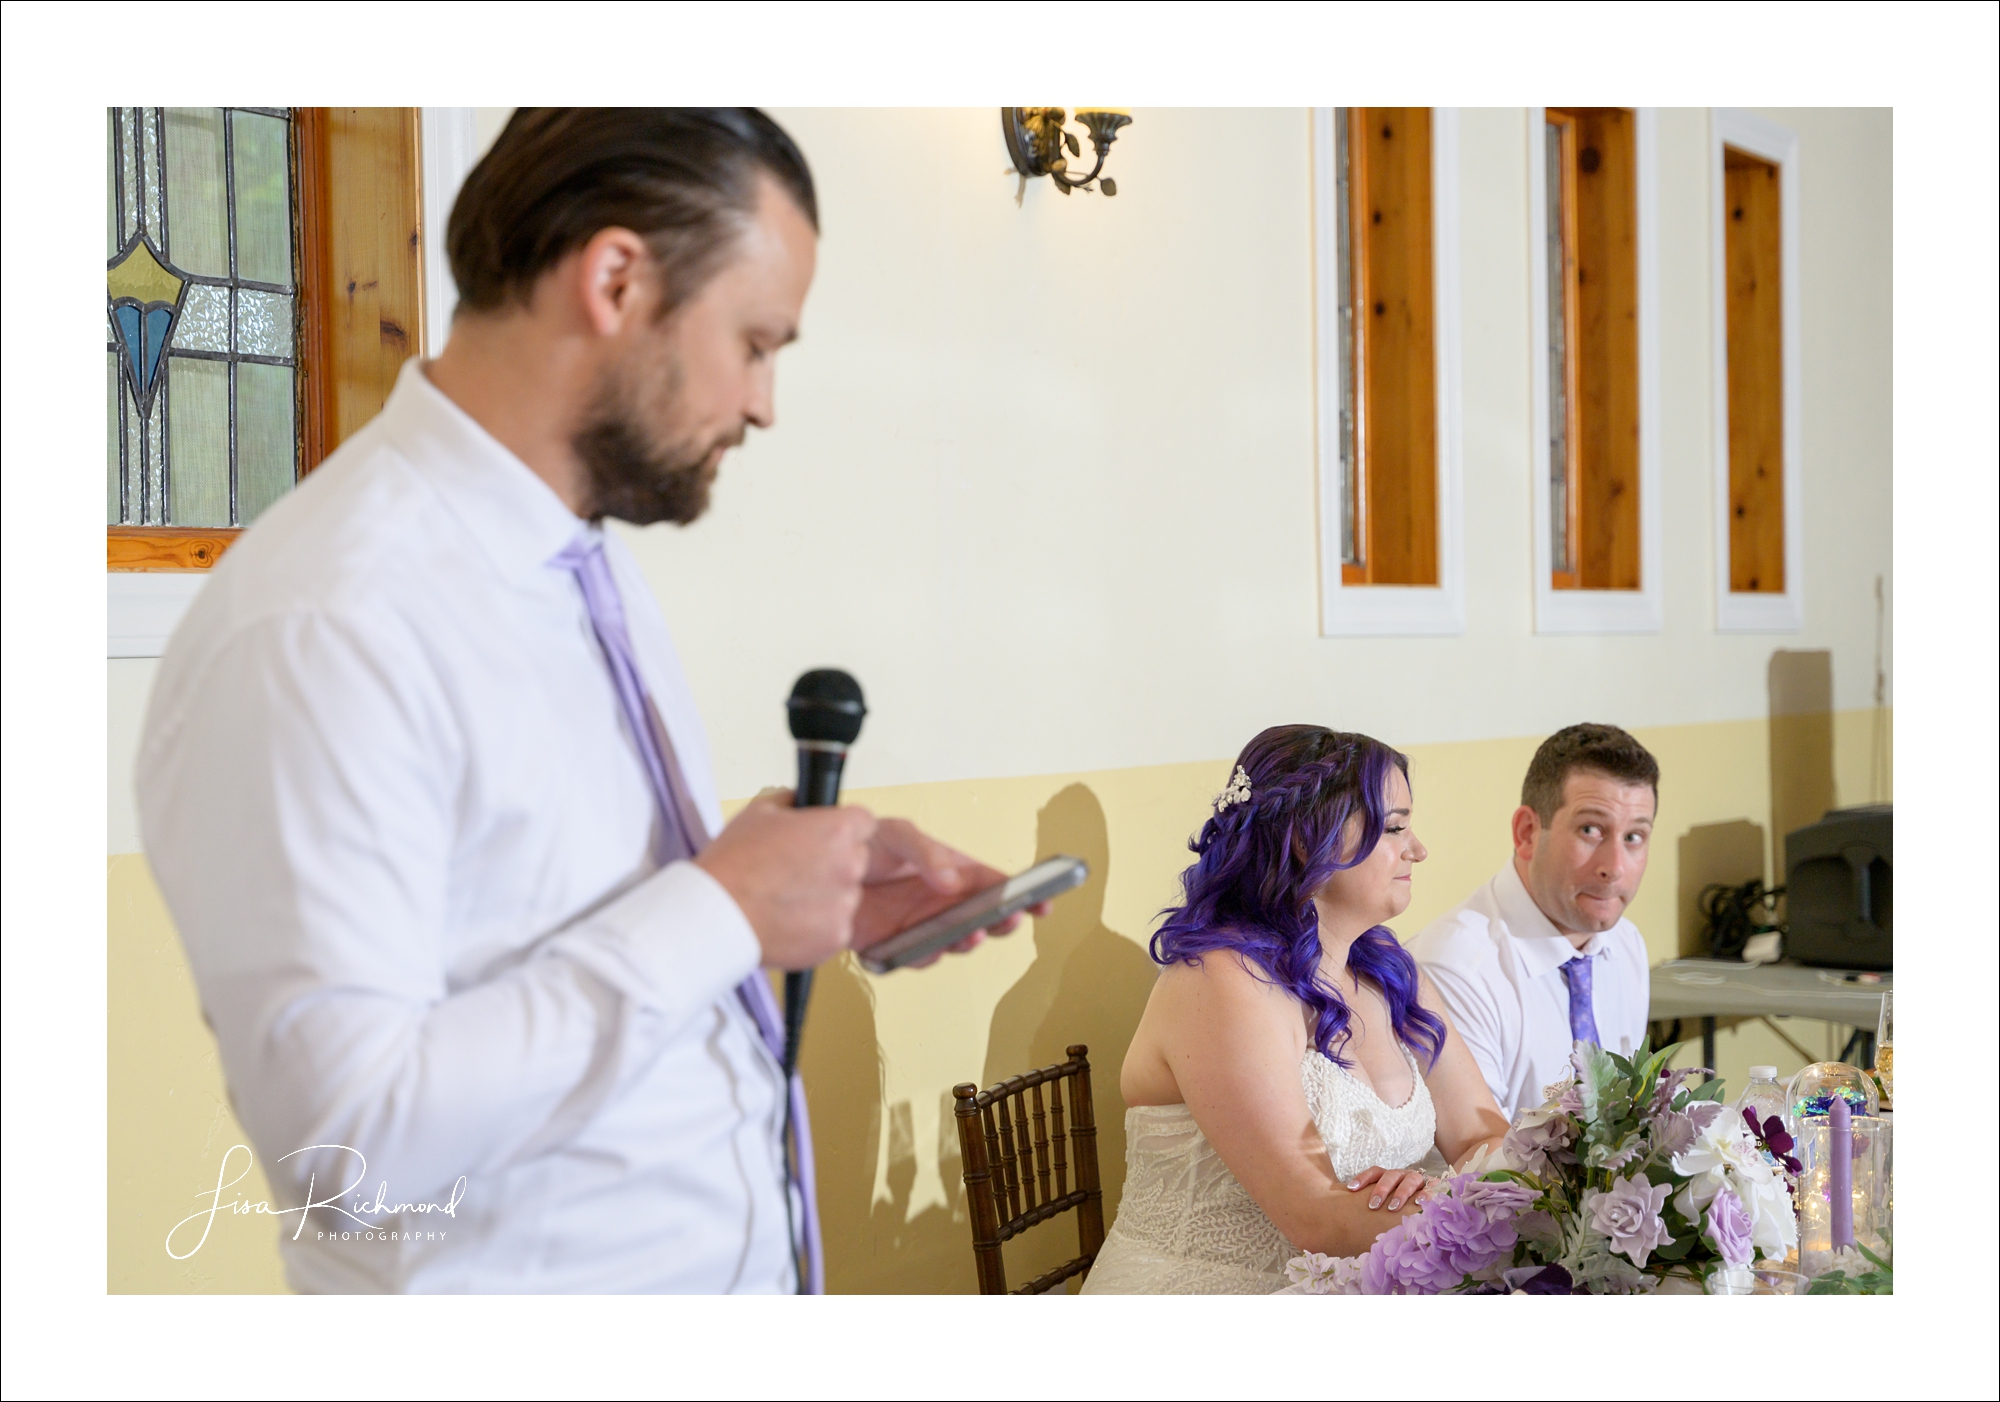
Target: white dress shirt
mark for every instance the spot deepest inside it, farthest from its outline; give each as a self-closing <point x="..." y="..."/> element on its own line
<point x="388" y="792"/>
<point x="1497" y="961"/>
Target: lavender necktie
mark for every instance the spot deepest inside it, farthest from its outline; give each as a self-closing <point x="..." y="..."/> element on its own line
<point x="1582" y="1021"/>
<point x="683" y="835"/>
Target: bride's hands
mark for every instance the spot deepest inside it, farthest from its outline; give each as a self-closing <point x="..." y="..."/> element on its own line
<point x="1393" y="1186"/>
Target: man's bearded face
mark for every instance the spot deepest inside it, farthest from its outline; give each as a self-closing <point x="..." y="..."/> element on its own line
<point x="643" y="466"/>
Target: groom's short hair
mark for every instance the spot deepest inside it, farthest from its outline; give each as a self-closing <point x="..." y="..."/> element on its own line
<point x="1601" y="749"/>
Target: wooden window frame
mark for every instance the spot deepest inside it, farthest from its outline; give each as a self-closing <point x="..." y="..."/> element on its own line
<point x="360" y="289"/>
<point x="1351" y="607"/>
<point x="1766" y="140"/>
<point x="1576" y="610"/>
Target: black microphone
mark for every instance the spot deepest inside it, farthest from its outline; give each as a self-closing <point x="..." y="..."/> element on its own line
<point x="825" y="710"/>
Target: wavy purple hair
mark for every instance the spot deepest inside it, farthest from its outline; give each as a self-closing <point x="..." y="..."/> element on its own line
<point x="1257" y="864"/>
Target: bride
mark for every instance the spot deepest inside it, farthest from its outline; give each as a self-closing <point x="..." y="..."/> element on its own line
<point x="1293" y="1066"/>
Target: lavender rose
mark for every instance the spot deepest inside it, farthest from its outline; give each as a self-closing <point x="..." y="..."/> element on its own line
<point x="1629" y="1214"/>
<point x="1538" y="1137"/>
<point x="1728" y="1229"/>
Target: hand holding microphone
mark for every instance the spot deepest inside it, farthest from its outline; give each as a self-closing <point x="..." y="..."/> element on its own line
<point x="814" y="879"/>
<point x="796" y="874"/>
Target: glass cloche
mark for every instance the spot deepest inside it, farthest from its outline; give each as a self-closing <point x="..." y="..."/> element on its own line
<point x="1812" y="1091"/>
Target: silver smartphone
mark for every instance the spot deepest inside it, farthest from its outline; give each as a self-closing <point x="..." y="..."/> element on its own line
<point x="1038" y="883"/>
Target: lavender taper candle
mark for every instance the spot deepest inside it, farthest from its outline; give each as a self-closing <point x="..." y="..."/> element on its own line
<point x="1840" y="1173"/>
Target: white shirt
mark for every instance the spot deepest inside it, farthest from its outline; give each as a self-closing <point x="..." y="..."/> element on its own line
<point x="389" y="794"/>
<point x="1497" y="961"/>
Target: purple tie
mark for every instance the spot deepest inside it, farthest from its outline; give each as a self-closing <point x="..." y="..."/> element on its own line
<point x="1582" y="1022"/>
<point x="682" y="835"/>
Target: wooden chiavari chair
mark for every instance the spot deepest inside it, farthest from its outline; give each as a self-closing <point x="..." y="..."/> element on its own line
<point x="1017" y="1152"/>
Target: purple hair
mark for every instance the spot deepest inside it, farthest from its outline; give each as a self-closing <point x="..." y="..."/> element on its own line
<point x="1258" y="862"/>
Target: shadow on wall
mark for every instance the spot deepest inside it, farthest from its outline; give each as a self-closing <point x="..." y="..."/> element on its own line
<point x="1088" y="984"/>
<point x="1802" y="789"/>
<point x="874" y="1247"/>
<point x="1713" y="854"/>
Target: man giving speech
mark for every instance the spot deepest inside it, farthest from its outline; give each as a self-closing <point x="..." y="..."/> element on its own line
<point x="426" y="791"/>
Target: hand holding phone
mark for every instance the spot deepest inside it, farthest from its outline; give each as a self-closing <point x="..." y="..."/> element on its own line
<point x="980" y="911"/>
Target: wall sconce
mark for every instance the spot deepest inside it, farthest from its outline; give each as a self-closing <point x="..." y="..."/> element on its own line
<point x="1036" y="140"/>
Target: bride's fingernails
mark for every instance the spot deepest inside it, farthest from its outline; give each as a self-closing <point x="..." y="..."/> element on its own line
<point x="1355" y="1186"/>
<point x="1374" y="1202"/>
<point x="1395" y="1203"/>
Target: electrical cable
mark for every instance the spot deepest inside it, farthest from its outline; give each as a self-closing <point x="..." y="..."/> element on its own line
<point x="1731" y="915"/>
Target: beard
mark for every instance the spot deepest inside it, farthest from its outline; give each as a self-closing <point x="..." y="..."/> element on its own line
<point x="636" y="474"/>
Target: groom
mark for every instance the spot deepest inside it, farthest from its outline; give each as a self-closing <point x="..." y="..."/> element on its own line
<point x="1542" y="956"/>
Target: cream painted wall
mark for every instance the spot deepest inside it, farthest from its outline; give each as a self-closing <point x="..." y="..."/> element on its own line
<point x="1043" y="479"/>
<point x="881" y="1054"/>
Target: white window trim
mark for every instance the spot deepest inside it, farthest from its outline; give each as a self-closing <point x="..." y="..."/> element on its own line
<point x="143" y="607"/>
<point x="1378" y="610"/>
<point x="1599" y="610"/>
<point x="450" y="150"/>
<point x="1759" y="613"/>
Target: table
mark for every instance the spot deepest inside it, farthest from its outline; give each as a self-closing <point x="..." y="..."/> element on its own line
<point x="1712" y="988"/>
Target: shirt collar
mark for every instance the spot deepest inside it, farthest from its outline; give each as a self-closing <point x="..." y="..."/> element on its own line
<point x="516" y="517"/>
<point x="1542" y="947"/>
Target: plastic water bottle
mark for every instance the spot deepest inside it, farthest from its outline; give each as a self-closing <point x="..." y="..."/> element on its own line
<point x="1765" y="1096"/>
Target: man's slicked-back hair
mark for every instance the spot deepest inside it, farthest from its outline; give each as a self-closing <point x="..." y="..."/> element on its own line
<point x="683" y="178"/>
<point x="1601" y="749"/>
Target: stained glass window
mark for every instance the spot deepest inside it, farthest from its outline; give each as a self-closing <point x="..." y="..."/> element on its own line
<point x="202" y="352"/>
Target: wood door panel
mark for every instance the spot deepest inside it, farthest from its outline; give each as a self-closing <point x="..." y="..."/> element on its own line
<point x="1754" y="298"/>
<point x="1396" y="326"/>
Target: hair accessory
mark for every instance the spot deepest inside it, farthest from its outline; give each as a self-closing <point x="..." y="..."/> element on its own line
<point x="1237" y="792"/>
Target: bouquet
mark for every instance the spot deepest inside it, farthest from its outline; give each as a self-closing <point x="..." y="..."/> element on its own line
<point x="1628" y="1177"/>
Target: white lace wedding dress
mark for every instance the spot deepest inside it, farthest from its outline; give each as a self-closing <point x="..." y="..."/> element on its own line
<point x="1185" y="1225"/>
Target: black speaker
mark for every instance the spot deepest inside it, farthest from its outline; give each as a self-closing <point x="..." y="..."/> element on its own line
<point x="1839" y="896"/>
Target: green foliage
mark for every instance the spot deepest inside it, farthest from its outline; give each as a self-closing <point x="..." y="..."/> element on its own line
<point x="1880" y="1281"/>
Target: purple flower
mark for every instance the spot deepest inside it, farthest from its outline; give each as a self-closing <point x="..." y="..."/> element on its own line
<point x="1466" y="1228"/>
<point x="1772" y="1137"/>
<point x="1404" y="1261"/>
<point x="1629" y="1214"/>
<point x="1530" y="1280"/>
<point x="1503" y="1196"/>
<point x="1728" y="1229"/>
<point x="1542" y="1280"/>
<point x="1466" y="1238"/>
<point x="1537" y="1137"/>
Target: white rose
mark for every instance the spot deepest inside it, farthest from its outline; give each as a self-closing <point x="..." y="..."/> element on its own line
<point x="1721" y="1147"/>
<point x="1723" y="1155"/>
<point x="1774" y="1227"/>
